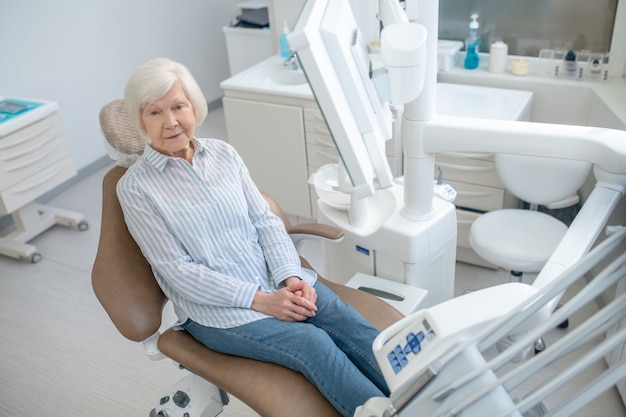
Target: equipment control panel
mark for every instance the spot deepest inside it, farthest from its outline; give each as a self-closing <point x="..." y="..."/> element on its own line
<point x="413" y="344"/>
<point x="400" y="348"/>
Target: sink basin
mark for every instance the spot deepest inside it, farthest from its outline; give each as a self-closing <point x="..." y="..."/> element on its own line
<point x="277" y="75"/>
<point x="269" y="77"/>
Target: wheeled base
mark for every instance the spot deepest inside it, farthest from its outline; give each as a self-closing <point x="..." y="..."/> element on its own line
<point x="192" y="396"/>
<point x="32" y="220"/>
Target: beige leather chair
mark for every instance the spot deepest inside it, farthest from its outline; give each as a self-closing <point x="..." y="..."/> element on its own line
<point x="124" y="284"/>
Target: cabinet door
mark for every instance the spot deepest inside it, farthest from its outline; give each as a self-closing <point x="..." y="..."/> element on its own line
<point x="270" y="139"/>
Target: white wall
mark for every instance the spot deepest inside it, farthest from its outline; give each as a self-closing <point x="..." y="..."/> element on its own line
<point x="80" y="53"/>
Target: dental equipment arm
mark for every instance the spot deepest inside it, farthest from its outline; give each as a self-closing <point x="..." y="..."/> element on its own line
<point x="428" y="382"/>
<point x="604" y="148"/>
<point x="390" y="12"/>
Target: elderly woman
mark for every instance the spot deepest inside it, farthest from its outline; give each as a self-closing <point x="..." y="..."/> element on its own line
<point x="223" y="258"/>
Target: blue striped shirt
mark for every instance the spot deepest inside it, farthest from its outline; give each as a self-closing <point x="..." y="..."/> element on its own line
<point x="207" y="232"/>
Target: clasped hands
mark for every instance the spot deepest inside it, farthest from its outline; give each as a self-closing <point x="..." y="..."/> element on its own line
<point x="294" y="302"/>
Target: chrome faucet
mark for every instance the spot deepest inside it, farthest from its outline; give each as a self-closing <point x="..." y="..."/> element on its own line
<point x="292" y="61"/>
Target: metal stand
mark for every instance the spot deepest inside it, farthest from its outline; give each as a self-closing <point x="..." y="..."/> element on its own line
<point x="32" y="220"/>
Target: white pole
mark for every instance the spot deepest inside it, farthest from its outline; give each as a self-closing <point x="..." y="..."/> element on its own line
<point x="419" y="166"/>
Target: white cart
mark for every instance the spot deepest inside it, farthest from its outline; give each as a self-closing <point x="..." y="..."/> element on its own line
<point x="34" y="158"/>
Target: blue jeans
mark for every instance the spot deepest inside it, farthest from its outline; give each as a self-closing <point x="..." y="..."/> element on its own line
<point x="333" y="350"/>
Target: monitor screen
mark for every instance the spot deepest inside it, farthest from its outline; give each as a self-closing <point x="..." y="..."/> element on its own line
<point x="334" y="58"/>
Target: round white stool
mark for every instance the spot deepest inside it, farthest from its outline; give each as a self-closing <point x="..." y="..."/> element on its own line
<point x="516" y="240"/>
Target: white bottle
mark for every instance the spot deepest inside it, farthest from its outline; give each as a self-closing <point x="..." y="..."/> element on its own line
<point x="497" y="56"/>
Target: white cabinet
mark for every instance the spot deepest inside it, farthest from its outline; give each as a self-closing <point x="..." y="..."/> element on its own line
<point x="321" y="149"/>
<point x="270" y="139"/>
<point x="34" y="158"/>
<point x="247" y="46"/>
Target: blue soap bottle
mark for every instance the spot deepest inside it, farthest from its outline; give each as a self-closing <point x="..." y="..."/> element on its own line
<point x="283" y="43"/>
<point x="471" y="44"/>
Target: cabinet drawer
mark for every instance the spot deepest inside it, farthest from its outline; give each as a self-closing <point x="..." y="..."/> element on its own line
<point x="316" y="127"/>
<point x="464" y="220"/>
<point x="313" y="115"/>
<point x="24" y="152"/>
<point x="318" y="156"/>
<point x="320" y="139"/>
<point x="475" y="171"/>
<point x="390" y="147"/>
<point x="314" y="122"/>
<point x="464" y="251"/>
<point x="16" y="166"/>
<point x="317" y="132"/>
<point x="35" y="185"/>
<point x="23" y="140"/>
<point x="478" y="197"/>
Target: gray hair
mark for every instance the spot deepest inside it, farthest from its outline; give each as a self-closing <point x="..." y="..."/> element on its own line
<point x="153" y="80"/>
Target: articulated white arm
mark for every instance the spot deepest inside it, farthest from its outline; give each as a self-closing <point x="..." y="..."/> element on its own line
<point x="390" y="12"/>
<point x="605" y="148"/>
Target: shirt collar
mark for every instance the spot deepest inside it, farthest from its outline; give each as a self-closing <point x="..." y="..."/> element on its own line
<point x="158" y="160"/>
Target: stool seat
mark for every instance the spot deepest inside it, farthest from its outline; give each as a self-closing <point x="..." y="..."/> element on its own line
<point x="516" y="240"/>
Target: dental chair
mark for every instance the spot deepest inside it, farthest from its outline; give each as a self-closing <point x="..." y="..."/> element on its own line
<point x="124" y="284"/>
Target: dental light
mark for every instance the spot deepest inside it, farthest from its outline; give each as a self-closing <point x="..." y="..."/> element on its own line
<point x="333" y="54"/>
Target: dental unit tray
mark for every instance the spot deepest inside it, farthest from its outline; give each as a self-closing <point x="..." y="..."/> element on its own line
<point x="434" y="369"/>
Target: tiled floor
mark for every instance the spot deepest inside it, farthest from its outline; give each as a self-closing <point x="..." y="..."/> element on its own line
<point x="60" y="354"/>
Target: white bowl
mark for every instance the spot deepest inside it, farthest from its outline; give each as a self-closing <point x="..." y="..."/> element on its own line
<point x="325" y="182"/>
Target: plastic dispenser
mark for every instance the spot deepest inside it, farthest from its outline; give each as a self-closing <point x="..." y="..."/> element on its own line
<point x="570" y="63"/>
<point x="285" y="50"/>
<point x="471" y="44"/>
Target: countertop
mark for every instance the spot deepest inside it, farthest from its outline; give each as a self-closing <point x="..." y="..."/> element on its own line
<point x="262" y="79"/>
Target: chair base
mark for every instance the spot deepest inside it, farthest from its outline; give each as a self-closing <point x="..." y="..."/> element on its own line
<point x="192" y="396"/>
<point x="515" y="276"/>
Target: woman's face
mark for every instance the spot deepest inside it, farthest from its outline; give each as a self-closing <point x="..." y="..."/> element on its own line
<point x="171" y="123"/>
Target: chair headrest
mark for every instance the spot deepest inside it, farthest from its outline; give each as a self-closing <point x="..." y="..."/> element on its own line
<point x="123" y="143"/>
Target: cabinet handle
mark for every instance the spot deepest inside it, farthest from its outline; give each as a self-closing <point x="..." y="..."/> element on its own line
<point x="465" y="155"/>
<point x="464" y="167"/>
<point x="45" y="176"/>
<point x="321" y="130"/>
<point x="316" y="116"/>
<point x="473" y="194"/>
<point x="16" y="166"/>
<point x="327" y="143"/>
<point x="329" y="155"/>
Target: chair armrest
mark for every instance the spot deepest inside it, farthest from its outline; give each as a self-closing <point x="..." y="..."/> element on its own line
<point x="152" y="348"/>
<point x="305" y="231"/>
<point x="317" y="230"/>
